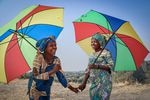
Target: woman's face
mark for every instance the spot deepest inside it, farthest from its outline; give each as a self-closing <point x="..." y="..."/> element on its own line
<point x="51" y="48"/>
<point x="95" y="44"/>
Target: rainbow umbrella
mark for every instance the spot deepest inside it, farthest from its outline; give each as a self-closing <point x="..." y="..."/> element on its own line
<point x="18" y="38"/>
<point x="127" y="49"/>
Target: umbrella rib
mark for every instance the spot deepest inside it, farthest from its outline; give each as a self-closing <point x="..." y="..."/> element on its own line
<point x="113" y="43"/>
<point x="108" y="30"/>
<point x="11" y="31"/>
<point x="119" y="42"/>
<point x="28" y="25"/>
<point x="30" y="30"/>
<point x="103" y="30"/>
<point x="26" y="40"/>
<point x="21" y="43"/>
<point x="108" y="27"/>
<point x="36" y="26"/>
<point x="123" y="37"/>
<point x="22" y="40"/>
<point x="9" y="41"/>
<point x="108" y="21"/>
<point x="24" y="33"/>
<point x="95" y="24"/>
<point x="21" y="26"/>
<point x="100" y="28"/>
<point x="12" y="46"/>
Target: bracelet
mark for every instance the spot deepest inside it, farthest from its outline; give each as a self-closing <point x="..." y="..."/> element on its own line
<point x="100" y="66"/>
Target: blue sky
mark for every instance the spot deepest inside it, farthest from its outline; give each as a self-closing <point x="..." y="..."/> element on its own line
<point x="72" y="57"/>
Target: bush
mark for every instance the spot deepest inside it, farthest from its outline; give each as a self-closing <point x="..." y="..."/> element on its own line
<point x="139" y="75"/>
<point x="122" y="77"/>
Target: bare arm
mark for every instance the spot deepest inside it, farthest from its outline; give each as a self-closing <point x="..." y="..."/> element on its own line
<point x="86" y="76"/>
<point x="62" y="78"/>
<point x="54" y="70"/>
<point x="73" y="88"/>
<point x="83" y="84"/>
<point x="99" y="66"/>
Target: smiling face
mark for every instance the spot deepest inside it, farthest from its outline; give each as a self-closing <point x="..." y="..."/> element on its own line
<point x="51" y="48"/>
<point x="95" y="44"/>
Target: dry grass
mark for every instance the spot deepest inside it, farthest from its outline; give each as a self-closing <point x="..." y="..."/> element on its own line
<point x="16" y="90"/>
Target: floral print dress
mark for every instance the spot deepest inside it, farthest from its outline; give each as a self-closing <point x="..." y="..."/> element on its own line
<point x="101" y="80"/>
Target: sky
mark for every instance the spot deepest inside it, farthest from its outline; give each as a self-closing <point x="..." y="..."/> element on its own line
<point x="73" y="58"/>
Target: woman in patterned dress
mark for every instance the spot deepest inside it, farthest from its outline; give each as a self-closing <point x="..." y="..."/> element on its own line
<point x="45" y="66"/>
<point x="99" y="71"/>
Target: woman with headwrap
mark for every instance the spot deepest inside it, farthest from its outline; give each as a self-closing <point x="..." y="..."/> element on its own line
<point x="45" y="66"/>
<point x="99" y="71"/>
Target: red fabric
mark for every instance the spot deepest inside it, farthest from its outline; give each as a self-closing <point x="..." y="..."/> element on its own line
<point x="15" y="63"/>
<point x="84" y="30"/>
<point x="138" y="51"/>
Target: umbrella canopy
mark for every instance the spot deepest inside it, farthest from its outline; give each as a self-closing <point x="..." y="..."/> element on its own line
<point x="127" y="49"/>
<point x="18" y="38"/>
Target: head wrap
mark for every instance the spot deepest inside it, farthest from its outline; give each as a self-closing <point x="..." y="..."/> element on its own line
<point x="42" y="44"/>
<point x="101" y="39"/>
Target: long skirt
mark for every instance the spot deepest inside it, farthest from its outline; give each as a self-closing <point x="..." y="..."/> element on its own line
<point x="101" y="88"/>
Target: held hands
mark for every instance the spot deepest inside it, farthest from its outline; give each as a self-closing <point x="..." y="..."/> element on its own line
<point x="82" y="87"/>
<point x="73" y="88"/>
<point x="76" y="90"/>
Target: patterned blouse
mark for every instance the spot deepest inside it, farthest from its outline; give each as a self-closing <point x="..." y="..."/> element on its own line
<point x="104" y="59"/>
<point x="37" y="86"/>
<point x="39" y="62"/>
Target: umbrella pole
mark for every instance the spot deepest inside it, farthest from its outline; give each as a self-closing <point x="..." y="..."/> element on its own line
<point x="103" y="48"/>
<point x="26" y="40"/>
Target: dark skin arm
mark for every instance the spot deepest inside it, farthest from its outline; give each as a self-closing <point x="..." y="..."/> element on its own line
<point x="73" y="89"/>
<point x="83" y="85"/>
<point x="35" y="72"/>
<point x="54" y="70"/>
<point x="57" y="68"/>
<point x="93" y="66"/>
<point x="103" y="67"/>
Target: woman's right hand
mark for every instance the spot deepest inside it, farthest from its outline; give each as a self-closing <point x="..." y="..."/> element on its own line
<point x="35" y="72"/>
<point x="82" y="87"/>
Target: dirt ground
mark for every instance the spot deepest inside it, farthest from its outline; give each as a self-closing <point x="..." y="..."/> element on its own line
<point x="16" y="90"/>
